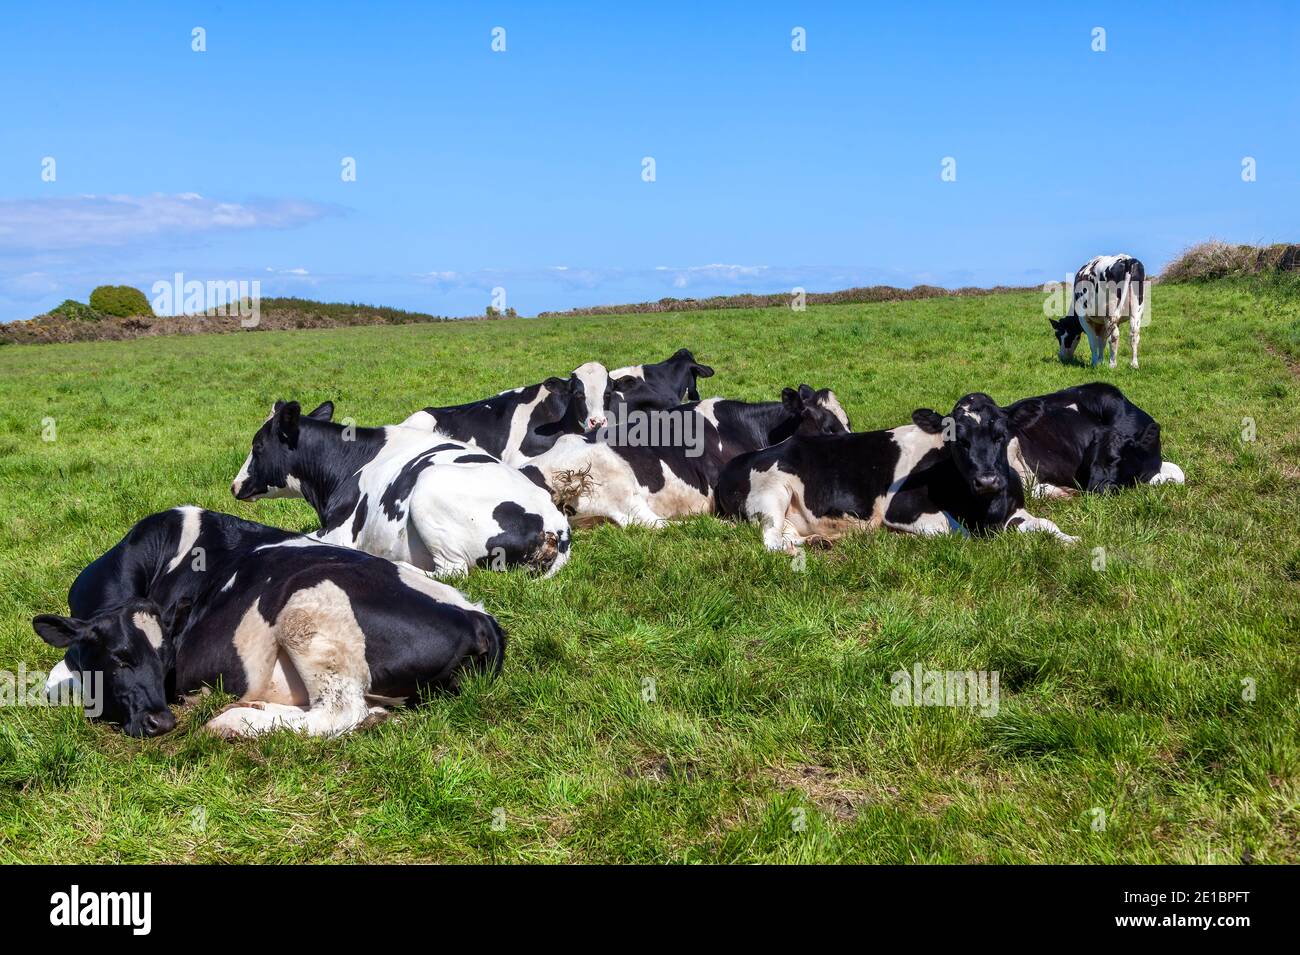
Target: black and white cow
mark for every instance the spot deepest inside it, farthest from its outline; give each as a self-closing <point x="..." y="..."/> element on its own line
<point x="660" y="386"/>
<point x="405" y="494"/>
<point x="656" y="465"/>
<point x="1090" y="438"/>
<point x="525" y="421"/>
<point x="935" y="476"/>
<point x="308" y="635"/>
<point x="1108" y="290"/>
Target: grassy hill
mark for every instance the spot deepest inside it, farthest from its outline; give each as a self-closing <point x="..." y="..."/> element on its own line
<point x="771" y="735"/>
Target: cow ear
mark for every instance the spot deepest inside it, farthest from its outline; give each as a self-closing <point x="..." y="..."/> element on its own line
<point x="790" y="398"/>
<point x="55" y="630"/>
<point x="931" y="422"/>
<point x="626" y="382"/>
<point x="558" y="384"/>
<point x="704" y="371"/>
<point x="286" y="422"/>
<point x="807" y="393"/>
<point x="323" y="411"/>
<point x="1055" y="324"/>
<point x="1026" y="414"/>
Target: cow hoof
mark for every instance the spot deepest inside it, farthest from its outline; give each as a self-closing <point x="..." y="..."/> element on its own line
<point x="816" y="540"/>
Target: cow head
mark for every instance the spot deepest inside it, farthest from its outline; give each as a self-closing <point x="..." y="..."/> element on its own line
<point x="977" y="434"/>
<point x="589" y="385"/>
<point x="123" y="651"/>
<point x="268" y="469"/>
<point x="660" y="386"/>
<point x="819" y="411"/>
<point x="1067" y="331"/>
<point x="687" y="370"/>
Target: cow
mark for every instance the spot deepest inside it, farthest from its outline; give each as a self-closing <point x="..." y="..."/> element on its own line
<point x="309" y="636"/>
<point x="659" y="386"/>
<point x="935" y="476"/>
<point x="1086" y="438"/>
<point x="657" y="465"/>
<point x="405" y="493"/>
<point x="1108" y="290"/>
<point x="525" y="421"/>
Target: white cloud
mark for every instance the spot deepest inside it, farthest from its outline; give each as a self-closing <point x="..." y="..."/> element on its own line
<point x="77" y="222"/>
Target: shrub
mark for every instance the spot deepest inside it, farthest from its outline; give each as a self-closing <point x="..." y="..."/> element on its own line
<point x="120" y="300"/>
<point x="76" y="311"/>
<point x="1214" y="260"/>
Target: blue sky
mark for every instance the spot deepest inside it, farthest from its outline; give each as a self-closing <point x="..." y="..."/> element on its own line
<point x="523" y="169"/>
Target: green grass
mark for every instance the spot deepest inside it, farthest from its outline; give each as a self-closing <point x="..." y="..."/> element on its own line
<point x="771" y="736"/>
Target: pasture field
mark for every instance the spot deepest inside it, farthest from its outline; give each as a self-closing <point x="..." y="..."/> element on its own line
<point x="1148" y="711"/>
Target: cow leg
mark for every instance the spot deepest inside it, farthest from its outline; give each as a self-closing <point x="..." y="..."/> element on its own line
<point x="930" y="525"/>
<point x="255" y="718"/>
<point x="1044" y="491"/>
<point x="1112" y="341"/>
<point x="1094" y="342"/>
<point x="767" y="507"/>
<point x="1169" y="473"/>
<point x="1026" y="523"/>
<point x="1135" y="333"/>
<point x="639" y="512"/>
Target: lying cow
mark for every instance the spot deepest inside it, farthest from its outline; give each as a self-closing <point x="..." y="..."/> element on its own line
<point x="308" y="635"/>
<point x="1089" y="437"/>
<point x="1108" y="290"/>
<point x="525" y="421"/>
<point x="934" y="476"/>
<point x="405" y="494"/>
<point x="663" y="464"/>
<point x="660" y="386"/>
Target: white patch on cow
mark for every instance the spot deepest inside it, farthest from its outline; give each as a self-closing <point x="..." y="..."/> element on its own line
<point x="191" y="519"/>
<point x="631" y="371"/>
<point x="1169" y="473"/>
<point x="148" y="624"/>
<point x="832" y="404"/>
<point x="314" y="649"/>
<point x="708" y="409"/>
<point x="417" y="579"/>
<point x="519" y="427"/>
<point x="62" y="682"/>
<point x="421" y="421"/>
<point x="977" y="419"/>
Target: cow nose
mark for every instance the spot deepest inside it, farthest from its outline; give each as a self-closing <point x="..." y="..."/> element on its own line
<point x="989" y="483"/>
<point x="155" y="724"/>
<point x="596" y="421"/>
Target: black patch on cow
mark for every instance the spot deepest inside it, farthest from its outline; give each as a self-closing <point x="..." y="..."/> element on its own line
<point x="476" y="459"/>
<point x="521" y="535"/>
<point x="359" y="519"/>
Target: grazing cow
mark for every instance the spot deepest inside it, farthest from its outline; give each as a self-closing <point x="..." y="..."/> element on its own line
<point x="405" y="494"/>
<point x="525" y="421"/>
<point x="1108" y="290"/>
<point x="308" y="635"/>
<point x="660" y="386"/>
<point x="934" y="476"/>
<point x="1089" y="437"/>
<point x="657" y="465"/>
